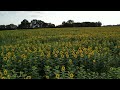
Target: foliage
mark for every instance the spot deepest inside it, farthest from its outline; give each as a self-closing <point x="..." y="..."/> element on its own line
<point x="71" y="23"/>
<point x="60" y="53"/>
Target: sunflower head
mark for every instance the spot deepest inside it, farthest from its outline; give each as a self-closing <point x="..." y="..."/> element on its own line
<point x="28" y="77"/>
<point x="23" y="56"/>
<point x="63" y="68"/>
<point x="71" y="75"/>
<point x="47" y="77"/>
<point x="8" y="54"/>
<point x="94" y="61"/>
<point x="56" y="55"/>
<point x="3" y="78"/>
<point x="62" y="56"/>
<point x="5" y="72"/>
<point x="57" y="76"/>
<point x="5" y="58"/>
<point x="8" y="76"/>
<point x="70" y="61"/>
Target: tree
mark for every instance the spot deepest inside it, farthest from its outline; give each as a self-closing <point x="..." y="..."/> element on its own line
<point x="37" y="23"/>
<point x="40" y="23"/>
<point x="33" y="24"/>
<point x="70" y="21"/>
<point x="50" y="25"/>
<point x="11" y="27"/>
<point x="2" y="27"/>
<point x="77" y="24"/>
<point x="99" y="24"/>
<point x="45" y="25"/>
<point x="63" y="23"/>
<point x="24" y="24"/>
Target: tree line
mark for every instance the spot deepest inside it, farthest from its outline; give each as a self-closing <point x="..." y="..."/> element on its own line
<point x="71" y="23"/>
<point x="111" y="25"/>
<point x="25" y="24"/>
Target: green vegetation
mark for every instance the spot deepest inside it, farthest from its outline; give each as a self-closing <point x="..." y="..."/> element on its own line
<point x="60" y="53"/>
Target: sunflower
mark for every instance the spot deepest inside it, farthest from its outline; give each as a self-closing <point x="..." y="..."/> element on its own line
<point x="5" y="72"/>
<point x="77" y="52"/>
<point x="94" y="61"/>
<point x="80" y="51"/>
<point x="5" y="58"/>
<point x="61" y="52"/>
<point x="75" y="56"/>
<point x="19" y="60"/>
<point x="57" y="51"/>
<point x="63" y="68"/>
<point x="66" y="53"/>
<point x="48" y="55"/>
<point x="47" y="77"/>
<point x="67" y="56"/>
<point x="42" y="54"/>
<point x="57" y="76"/>
<point x="71" y="75"/>
<point x="70" y="61"/>
<point x="28" y="77"/>
<point x="81" y="55"/>
<point x="3" y="78"/>
<point x="56" y="55"/>
<point x="23" y="56"/>
<point x="62" y="56"/>
<point x="8" y="54"/>
<point x="8" y="76"/>
<point x="35" y="49"/>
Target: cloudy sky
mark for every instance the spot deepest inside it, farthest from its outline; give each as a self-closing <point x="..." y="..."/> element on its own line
<point x="57" y="17"/>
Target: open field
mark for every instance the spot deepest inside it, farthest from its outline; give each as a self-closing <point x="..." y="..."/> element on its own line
<point x="60" y="53"/>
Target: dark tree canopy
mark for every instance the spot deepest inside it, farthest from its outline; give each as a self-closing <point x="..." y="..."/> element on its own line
<point x="8" y="27"/>
<point x="25" y="24"/>
<point x="2" y="27"/>
<point x="35" y="24"/>
<point x="71" y="23"/>
<point x="11" y="27"/>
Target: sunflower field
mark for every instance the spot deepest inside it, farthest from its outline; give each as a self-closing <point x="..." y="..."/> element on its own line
<point x="60" y="53"/>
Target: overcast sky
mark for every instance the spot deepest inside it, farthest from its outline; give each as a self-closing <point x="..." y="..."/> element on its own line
<point x="57" y="17"/>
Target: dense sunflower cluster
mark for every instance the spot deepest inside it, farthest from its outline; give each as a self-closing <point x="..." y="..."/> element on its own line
<point x="60" y="53"/>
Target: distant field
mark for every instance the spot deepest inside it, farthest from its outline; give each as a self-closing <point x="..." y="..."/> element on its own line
<point x="60" y="53"/>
